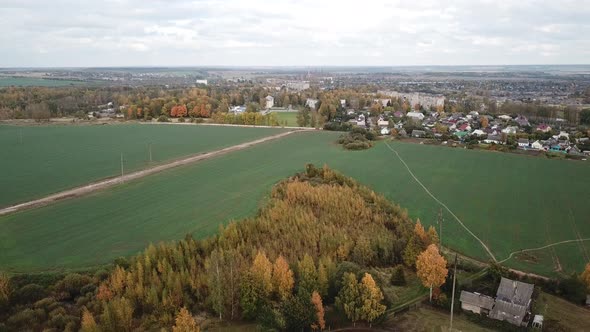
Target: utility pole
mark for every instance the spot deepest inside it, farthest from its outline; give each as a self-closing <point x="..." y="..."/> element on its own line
<point x="440" y="222"/>
<point x="150" y="153"/>
<point x="453" y="295"/>
<point x="122" y="170"/>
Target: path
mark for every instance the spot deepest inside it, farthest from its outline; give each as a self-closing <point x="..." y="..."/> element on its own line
<point x="543" y="247"/>
<point x="84" y="190"/>
<point x="477" y="238"/>
<point x="443" y="204"/>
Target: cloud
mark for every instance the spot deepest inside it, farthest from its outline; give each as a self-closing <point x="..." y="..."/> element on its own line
<point x="292" y="32"/>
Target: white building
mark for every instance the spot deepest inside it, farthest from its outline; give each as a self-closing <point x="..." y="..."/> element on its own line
<point x="562" y="134"/>
<point x="478" y="132"/>
<point x="415" y="115"/>
<point x="298" y="86"/>
<point x="523" y="143"/>
<point x="537" y="145"/>
<point x="201" y="82"/>
<point x="237" y="109"/>
<point x="360" y="121"/>
<point x="311" y="103"/>
<point x="510" y="130"/>
<point x="270" y="102"/>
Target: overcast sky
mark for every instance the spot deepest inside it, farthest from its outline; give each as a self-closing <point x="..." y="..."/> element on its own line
<point x="292" y="32"/>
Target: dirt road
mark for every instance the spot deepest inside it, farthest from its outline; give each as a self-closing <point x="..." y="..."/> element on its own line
<point x="80" y="191"/>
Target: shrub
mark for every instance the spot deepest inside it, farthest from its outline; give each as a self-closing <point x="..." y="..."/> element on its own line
<point x="101" y="274"/>
<point x="30" y="293"/>
<point x="163" y="118"/>
<point x="181" y="119"/>
<point x="398" y="278"/>
<point x="338" y="126"/>
<point x="72" y="284"/>
<point x="357" y="145"/>
<point x="199" y="120"/>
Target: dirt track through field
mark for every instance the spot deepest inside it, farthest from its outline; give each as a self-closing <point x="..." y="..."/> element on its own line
<point x="103" y="184"/>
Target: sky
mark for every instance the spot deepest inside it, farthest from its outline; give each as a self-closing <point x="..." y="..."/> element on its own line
<point x="81" y="33"/>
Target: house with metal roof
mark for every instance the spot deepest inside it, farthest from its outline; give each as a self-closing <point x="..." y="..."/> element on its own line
<point x="476" y="302"/>
<point x="513" y="302"/>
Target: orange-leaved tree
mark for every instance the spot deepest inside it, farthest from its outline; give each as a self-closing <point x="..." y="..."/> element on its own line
<point x="586" y="277"/>
<point x="282" y="278"/>
<point x="320" y="323"/>
<point x="431" y="268"/>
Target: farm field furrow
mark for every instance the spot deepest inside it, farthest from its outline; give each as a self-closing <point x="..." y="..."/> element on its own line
<point x="511" y="202"/>
<point x="41" y="160"/>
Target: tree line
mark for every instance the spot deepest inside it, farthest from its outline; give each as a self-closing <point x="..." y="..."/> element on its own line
<point x="311" y="246"/>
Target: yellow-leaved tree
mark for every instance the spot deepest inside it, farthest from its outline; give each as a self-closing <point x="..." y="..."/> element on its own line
<point x="431" y="268"/>
<point x="371" y="296"/>
<point x="185" y="322"/>
<point x="282" y="278"/>
<point x="261" y="271"/>
<point x="88" y="324"/>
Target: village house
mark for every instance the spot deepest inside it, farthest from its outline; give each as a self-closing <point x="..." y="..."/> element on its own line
<point x="270" y="102"/>
<point x="360" y="121"/>
<point x="418" y="133"/>
<point x="476" y="303"/>
<point x="523" y="143"/>
<point x="562" y="134"/>
<point x="522" y="121"/>
<point x="478" y="132"/>
<point x="311" y="103"/>
<point x="385" y="131"/>
<point x="382" y="122"/>
<point x="543" y="128"/>
<point x="415" y="115"/>
<point x="237" y="109"/>
<point x="510" y="130"/>
<point x="495" y="139"/>
<point x="537" y="145"/>
<point x="512" y="303"/>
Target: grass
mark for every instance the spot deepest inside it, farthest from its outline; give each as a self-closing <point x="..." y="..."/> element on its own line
<point x="288" y="119"/>
<point x="31" y="81"/>
<point x="570" y="316"/>
<point x="426" y="318"/>
<point x="510" y="201"/>
<point x="40" y="160"/>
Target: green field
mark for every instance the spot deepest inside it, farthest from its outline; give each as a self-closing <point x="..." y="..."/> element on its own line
<point x="40" y="160"/>
<point x="510" y="201"/>
<point x="30" y="81"/>
<point x="288" y="119"/>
